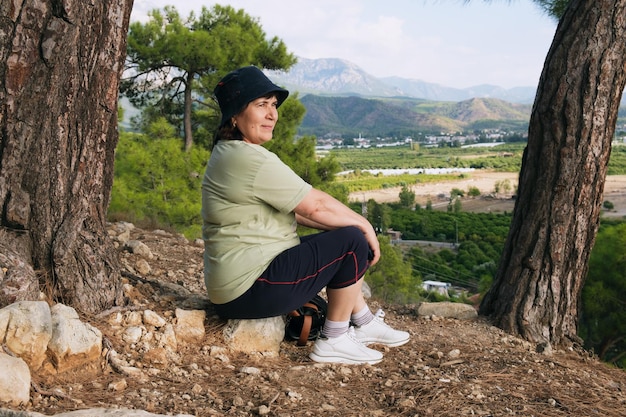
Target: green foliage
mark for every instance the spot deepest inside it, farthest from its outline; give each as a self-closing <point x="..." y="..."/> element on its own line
<point x="603" y="319"/>
<point x="157" y="183"/>
<point x="554" y="8"/>
<point x="456" y="192"/>
<point x="365" y="181"/>
<point x="481" y="239"/>
<point x="503" y="186"/>
<point x="407" y="197"/>
<point x="378" y="215"/>
<point x="160" y="129"/>
<point x="173" y="63"/>
<point x="455" y="205"/>
<point x="391" y="279"/>
<point x="617" y="161"/>
<point x="473" y="192"/>
<point x="506" y="158"/>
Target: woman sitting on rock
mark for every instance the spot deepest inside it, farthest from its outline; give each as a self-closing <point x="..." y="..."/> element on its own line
<point x="256" y="266"/>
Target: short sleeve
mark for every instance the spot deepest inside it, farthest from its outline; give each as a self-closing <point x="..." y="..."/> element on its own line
<point x="279" y="186"/>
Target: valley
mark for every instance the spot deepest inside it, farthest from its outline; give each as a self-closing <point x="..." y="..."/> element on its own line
<point x="485" y="181"/>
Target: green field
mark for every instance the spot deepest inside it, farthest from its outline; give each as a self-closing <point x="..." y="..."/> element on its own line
<point x="506" y="158"/>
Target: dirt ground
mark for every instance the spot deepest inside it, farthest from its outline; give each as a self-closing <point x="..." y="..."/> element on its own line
<point x="449" y="367"/>
<point x="438" y="193"/>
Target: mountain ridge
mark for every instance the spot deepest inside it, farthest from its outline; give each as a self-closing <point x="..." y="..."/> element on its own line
<point x="339" y="77"/>
<point x="401" y="117"/>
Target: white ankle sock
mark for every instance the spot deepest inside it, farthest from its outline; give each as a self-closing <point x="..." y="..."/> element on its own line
<point x="335" y="328"/>
<point x="362" y="317"/>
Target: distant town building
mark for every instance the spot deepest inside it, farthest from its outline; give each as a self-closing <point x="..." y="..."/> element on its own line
<point x="436" y="286"/>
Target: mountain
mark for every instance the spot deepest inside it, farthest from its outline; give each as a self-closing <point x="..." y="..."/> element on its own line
<point x="332" y="76"/>
<point x="430" y="91"/>
<point x="338" y="77"/>
<point x="407" y="116"/>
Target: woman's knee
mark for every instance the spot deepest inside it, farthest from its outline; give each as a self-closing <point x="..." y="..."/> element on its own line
<point x="356" y="236"/>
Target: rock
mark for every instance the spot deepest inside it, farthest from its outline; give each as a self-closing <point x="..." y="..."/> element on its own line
<point x="156" y="356"/>
<point x="454" y="353"/>
<point x="120" y="232"/>
<point x="15" y="380"/>
<point x="132" y="334"/>
<point x="447" y="309"/>
<point x="150" y="318"/>
<point x="143" y="267"/>
<point x="26" y="329"/>
<point x="260" y="335"/>
<point x="73" y="342"/>
<point x="139" y="248"/>
<point x="168" y="338"/>
<point x="189" y="325"/>
<point x="133" y="318"/>
<point x="123" y="237"/>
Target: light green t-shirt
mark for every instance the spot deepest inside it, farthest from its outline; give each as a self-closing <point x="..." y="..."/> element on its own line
<point x="248" y="198"/>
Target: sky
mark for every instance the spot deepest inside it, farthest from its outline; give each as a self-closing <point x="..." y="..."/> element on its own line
<point x="448" y="42"/>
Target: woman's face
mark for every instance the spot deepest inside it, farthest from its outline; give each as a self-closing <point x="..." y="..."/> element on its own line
<point x="256" y="122"/>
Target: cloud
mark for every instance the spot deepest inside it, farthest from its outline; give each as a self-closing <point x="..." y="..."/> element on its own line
<point x="450" y="43"/>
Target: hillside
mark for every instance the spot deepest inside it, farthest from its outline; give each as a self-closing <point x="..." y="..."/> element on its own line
<point x="403" y="116"/>
<point x="449" y="368"/>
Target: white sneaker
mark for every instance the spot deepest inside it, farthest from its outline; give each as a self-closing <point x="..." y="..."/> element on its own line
<point x="344" y="349"/>
<point x="377" y="331"/>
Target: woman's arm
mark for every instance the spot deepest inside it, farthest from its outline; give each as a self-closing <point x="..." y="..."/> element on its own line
<point x="322" y="211"/>
<point x="310" y="223"/>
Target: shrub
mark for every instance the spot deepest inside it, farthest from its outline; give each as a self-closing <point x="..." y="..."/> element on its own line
<point x="157" y="183"/>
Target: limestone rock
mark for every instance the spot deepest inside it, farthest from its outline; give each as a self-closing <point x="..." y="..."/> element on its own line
<point x="73" y="342"/>
<point x="260" y="335"/>
<point x="139" y="248"/>
<point x="447" y="309"/>
<point x="15" y="380"/>
<point x="189" y="325"/>
<point x="143" y="267"/>
<point x="26" y="329"/>
<point x="150" y="318"/>
<point x="168" y="339"/>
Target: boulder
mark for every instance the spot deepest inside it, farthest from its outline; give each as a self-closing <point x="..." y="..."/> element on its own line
<point x="189" y="325"/>
<point x="447" y="309"/>
<point x="260" y="335"/>
<point x="15" y="380"/>
<point x="73" y="343"/>
<point x="26" y="330"/>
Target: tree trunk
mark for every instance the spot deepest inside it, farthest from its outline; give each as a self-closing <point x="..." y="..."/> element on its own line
<point x="60" y="64"/>
<point x="544" y="264"/>
<point x="187" y="112"/>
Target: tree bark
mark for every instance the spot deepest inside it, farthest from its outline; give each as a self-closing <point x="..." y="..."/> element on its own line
<point x="187" y="112"/>
<point x="544" y="264"/>
<point x="60" y="65"/>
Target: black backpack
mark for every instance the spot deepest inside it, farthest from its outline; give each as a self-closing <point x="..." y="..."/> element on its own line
<point x="306" y="322"/>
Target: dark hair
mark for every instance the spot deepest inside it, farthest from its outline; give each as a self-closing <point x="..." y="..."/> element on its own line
<point x="226" y="132"/>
